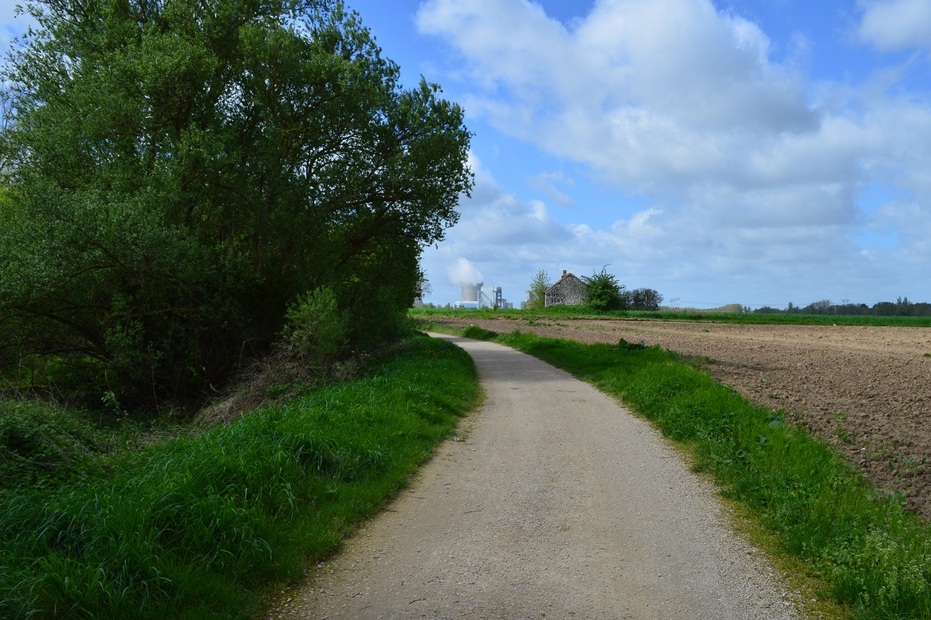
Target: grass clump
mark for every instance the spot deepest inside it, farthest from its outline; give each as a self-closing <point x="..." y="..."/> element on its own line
<point x="40" y="444"/>
<point x="44" y="445"/>
<point x="198" y="527"/>
<point x="478" y="333"/>
<point x="875" y="555"/>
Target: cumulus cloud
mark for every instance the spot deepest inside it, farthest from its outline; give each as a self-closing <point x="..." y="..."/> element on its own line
<point x="913" y="223"/>
<point x="896" y="24"/>
<point x="748" y="170"/>
<point x="499" y="217"/>
<point x="650" y="91"/>
<point x="650" y="94"/>
<point x="708" y="252"/>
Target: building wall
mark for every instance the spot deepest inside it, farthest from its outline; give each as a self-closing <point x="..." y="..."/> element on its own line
<point x="569" y="291"/>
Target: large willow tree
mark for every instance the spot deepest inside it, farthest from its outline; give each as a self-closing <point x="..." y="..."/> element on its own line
<point x="177" y="171"/>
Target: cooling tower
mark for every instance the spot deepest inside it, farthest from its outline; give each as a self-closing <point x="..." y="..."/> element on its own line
<point x="471" y="292"/>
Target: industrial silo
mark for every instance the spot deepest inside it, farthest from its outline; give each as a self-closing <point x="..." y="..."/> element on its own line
<point x="471" y="292"/>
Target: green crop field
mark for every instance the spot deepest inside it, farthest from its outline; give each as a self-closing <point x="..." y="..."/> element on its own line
<point x="569" y="312"/>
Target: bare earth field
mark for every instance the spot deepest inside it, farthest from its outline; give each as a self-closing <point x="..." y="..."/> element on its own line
<point x="867" y="390"/>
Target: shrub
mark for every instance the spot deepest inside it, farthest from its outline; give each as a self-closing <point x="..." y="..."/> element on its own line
<point x="317" y="330"/>
<point x="478" y="333"/>
<point x="604" y="291"/>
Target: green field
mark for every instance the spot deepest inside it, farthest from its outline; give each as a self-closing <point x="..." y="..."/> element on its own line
<point x="683" y="315"/>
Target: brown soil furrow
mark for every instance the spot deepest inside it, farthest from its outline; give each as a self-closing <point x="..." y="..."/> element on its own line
<point x="866" y="390"/>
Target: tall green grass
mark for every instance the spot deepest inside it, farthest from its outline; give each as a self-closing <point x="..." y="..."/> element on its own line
<point x="200" y="526"/>
<point x="875" y="555"/>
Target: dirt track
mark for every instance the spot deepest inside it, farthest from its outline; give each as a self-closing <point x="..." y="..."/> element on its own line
<point x="556" y="503"/>
<point x="865" y="389"/>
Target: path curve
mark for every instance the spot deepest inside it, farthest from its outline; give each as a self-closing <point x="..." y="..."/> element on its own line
<point x="558" y="503"/>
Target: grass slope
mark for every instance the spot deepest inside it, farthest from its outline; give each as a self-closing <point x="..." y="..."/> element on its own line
<point x="200" y="526"/>
<point x="875" y="556"/>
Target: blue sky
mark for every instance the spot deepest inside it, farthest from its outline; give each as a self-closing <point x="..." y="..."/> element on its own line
<point x="758" y="152"/>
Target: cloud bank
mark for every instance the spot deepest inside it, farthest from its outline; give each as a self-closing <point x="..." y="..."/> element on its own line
<point x="896" y="24"/>
<point x="752" y="177"/>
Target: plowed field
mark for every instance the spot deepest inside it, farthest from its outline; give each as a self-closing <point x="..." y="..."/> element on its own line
<point x="867" y="390"/>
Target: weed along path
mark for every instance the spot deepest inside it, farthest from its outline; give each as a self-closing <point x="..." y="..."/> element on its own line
<point x="555" y="502"/>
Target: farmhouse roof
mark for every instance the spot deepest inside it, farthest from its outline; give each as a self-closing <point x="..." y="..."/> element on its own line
<point x="568" y="291"/>
<point x="566" y="276"/>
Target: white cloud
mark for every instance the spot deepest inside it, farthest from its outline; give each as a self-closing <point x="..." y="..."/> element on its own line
<point x="745" y="175"/>
<point x="493" y="216"/>
<point x="650" y="91"/>
<point x="896" y="24"/>
<point x="715" y="249"/>
<point x="913" y="223"/>
<point x="550" y="184"/>
<point x="11" y="25"/>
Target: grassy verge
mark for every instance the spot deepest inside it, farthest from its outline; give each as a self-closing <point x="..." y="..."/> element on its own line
<point x="874" y="556"/>
<point x="200" y="526"/>
<point x="574" y="312"/>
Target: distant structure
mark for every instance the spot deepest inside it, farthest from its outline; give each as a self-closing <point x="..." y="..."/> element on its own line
<point x="472" y="292"/>
<point x="474" y="297"/>
<point x="496" y="297"/>
<point x="471" y="295"/>
<point x="568" y="291"/>
<point x="496" y="300"/>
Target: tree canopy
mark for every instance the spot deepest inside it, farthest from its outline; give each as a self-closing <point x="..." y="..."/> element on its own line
<point x="536" y="294"/>
<point x="604" y="291"/>
<point x="179" y="171"/>
<point x="642" y="299"/>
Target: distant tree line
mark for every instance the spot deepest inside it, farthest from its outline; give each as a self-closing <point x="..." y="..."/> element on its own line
<point x="900" y="307"/>
<point x="643" y="299"/>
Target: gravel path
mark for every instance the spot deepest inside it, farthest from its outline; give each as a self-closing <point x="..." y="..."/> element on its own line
<point x="555" y="503"/>
<point x="863" y="388"/>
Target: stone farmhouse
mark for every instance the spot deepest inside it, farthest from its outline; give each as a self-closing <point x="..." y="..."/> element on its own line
<point x="568" y="291"/>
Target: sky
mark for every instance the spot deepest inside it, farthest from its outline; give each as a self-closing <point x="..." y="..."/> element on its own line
<point x="759" y="152"/>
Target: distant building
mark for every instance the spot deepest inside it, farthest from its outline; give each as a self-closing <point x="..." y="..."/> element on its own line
<point x="471" y="296"/>
<point x="568" y="291"/>
<point x="474" y="297"/>
<point x="497" y="300"/>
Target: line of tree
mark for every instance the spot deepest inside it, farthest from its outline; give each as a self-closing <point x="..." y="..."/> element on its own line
<point x="605" y="292"/>
<point x="900" y="307"/>
<point x="177" y="175"/>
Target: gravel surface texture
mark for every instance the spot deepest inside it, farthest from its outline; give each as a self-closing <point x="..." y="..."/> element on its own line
<point x="554" y="502"/>
<point x="867" y="390"/>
